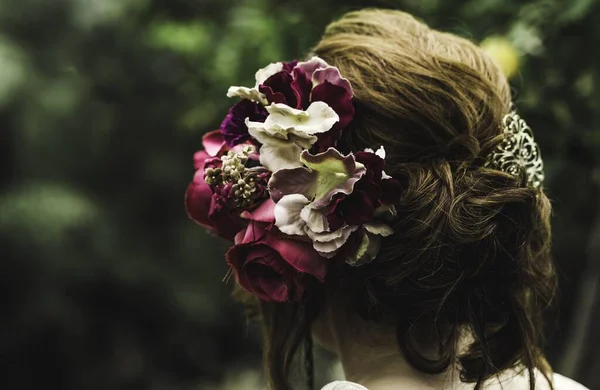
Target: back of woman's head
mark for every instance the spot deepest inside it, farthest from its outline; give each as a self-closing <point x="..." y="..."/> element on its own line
<point x="470" y="256"/>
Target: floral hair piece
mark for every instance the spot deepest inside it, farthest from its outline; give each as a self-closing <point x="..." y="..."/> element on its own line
<point x="518" y="151"/>
<point x="273" y="181"/>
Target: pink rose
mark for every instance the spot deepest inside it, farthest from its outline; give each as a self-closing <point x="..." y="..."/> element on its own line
<point x="270" y="264"/>
<point x="208" y="205"/>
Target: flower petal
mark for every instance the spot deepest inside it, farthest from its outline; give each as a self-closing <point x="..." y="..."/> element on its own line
<point x="278" y="89"/>
<point x="299" y="255"/>
<point x="292" y="181"/>
<point x="198" y="199"/>
<point x="367" y="250"/>
<point x="287" y="214"/>
<point x="357" y="208"/>
<point x="328" y="243"/>
<point x="252" y="94"/>
<point x="338" y="99"/>
<point x="315" y="220"/>
<point x="234" y="127"/>
<point x="265" y="212"/>
<point x="380" y="152"/>
<point x="390" y="190"/>
<point x="386" y="212"/>
<point x="302" y="86"/>
<point x="310" y="66"/>
<point x="266" y="133"/>
<point x="282" y="155"/>
<point x="332" y="75"/>
<point x="378" y="228"/>
<point x="335" y="173"/>
<point x="213" y="142"/>
<point x="199" y="159"/>
<point x="263" y="74"/>
<point x="318" y="118"/>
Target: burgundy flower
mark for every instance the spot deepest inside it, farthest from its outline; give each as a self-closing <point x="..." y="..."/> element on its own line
<point x="290" y="65"/>
<point x="269" y="264"/>
<point x="212" y="206"/>
<point x="340" y="100"/>
<point x="234" y="127"/>
<point x="278" y="89"/>
<point x="369" y="193"/>
<point x="290" y="86"/>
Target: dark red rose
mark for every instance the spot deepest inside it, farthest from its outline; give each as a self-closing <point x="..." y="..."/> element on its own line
<point x="210" y="207"/>
<point x="270" y="264"/>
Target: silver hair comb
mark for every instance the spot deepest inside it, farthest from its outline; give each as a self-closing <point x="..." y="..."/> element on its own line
<point x="518" y="151"/>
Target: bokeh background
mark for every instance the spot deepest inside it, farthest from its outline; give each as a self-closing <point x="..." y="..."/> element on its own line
<point x="105" y="283"/>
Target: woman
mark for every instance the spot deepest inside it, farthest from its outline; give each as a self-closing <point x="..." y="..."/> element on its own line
<point x="384" y="198"/>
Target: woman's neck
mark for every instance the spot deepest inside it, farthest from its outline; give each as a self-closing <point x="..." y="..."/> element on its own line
<point x="380" y="366"/>
<point x="370" y="356"/>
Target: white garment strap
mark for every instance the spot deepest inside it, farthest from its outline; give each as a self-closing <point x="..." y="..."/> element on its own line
<point x="343" y="385"/>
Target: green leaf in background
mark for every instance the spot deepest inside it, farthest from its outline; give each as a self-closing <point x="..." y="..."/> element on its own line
<point x="190" y="38"/>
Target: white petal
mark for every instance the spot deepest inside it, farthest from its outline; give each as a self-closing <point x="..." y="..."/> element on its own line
<point x="318" y="118"/>
<point x="367" y="250"/>
<point x="265" y="132"/>
<point x="263" y="74"/>
<point x="331" y="241"/>
<point x="275" y="156"/>
<point x="315" y="220"/>
<point x="265" y="135"/>
<point x="379" y="229"/>
<point x="385" y="176"/>
<point x="327" y="255"/>
<point x="247" y="93"/>
<point x="287" y="214"/>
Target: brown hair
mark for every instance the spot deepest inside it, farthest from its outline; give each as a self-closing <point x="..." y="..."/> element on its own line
<point x="472" y="245"/>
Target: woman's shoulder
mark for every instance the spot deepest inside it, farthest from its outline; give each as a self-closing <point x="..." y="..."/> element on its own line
<point x="559" y="382"/>
<point x="564" y="383"/>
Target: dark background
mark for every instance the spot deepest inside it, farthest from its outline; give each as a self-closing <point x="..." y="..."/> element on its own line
<point x="105" y="283"/>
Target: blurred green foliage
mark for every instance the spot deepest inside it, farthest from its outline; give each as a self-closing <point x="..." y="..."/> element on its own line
<point x="106" y="284"/>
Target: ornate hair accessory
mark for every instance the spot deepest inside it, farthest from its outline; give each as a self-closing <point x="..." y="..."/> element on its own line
<point x="272" y="181"/>
<point x="518" y="151"/>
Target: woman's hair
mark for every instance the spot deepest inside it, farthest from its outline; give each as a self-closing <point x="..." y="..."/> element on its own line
<point x="471" y="252"/>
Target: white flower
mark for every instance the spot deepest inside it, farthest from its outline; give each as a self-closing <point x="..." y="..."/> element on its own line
<point x="263" y="74"/>
<point x="328" y="243"/>
<point x="287" y="214"/>
<point x="248" y="93"/>
<point x="253" y="93"/>
<point x="287" y="131"/>
<point x="318" y="118"/>
<point x="295" y="216"/>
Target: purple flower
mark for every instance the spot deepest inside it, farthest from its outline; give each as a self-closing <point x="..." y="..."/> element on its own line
<point x="234" y="127"/>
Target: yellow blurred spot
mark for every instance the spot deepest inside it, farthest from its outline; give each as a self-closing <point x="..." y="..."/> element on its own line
<point x="503" y="52"/>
